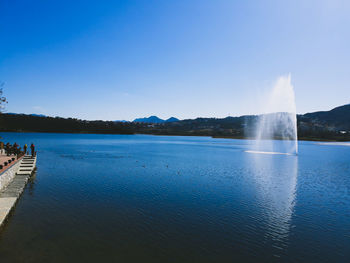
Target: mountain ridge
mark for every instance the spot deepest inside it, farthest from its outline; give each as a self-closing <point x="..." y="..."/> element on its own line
<point x="155" y="119"/>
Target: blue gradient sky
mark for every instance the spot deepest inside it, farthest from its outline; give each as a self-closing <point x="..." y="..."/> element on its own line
<point x="116" y="60"/>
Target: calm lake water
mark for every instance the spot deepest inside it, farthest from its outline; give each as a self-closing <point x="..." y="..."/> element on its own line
<point x="139" y="198"/>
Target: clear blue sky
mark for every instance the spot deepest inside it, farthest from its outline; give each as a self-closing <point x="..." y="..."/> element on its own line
<point x="115" y="60"/>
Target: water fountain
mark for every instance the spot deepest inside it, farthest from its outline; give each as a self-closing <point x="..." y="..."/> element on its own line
<point x="278" y="121"/>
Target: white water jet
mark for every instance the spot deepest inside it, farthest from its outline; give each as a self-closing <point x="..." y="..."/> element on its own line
<point x="279" y="120"/>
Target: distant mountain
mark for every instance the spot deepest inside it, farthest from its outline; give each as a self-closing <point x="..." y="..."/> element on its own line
<point x="121" y="121"/>
<point x="172" y="119"/>
<point x="155" y="119"/>
<point x="151" y="119"/>
<point x="36" y="115"/>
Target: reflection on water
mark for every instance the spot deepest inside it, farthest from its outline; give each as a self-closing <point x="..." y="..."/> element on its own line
<point x="271" y="153"/>
<point x="31" y="184"/>
<point x="276" y="181"/>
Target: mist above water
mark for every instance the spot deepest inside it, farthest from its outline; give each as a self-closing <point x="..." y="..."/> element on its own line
<point x="279" y="120"/>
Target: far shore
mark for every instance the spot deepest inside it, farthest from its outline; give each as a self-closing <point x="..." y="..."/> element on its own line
<point x="184" y="135"/>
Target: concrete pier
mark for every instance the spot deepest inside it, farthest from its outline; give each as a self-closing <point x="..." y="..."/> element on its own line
<point x="10" y="194"/>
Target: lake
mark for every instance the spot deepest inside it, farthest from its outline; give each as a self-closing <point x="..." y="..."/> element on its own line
<point x="141" y="198"/>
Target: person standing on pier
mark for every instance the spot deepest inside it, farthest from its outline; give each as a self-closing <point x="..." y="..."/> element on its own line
<point x="8" y="149"/>
<point x="25" y="148"/>
<point x="32" y="148"/>
<point x="15" y="148"/>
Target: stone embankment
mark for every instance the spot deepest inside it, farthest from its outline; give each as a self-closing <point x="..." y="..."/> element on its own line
<point x="12" y="183"/>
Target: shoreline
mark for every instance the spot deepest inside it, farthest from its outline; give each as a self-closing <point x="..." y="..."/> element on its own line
<point x="311" y="139"/>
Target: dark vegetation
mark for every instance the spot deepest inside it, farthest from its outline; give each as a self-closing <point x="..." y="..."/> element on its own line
<point x="30" y="123"/>
<point x="327" y="125"/>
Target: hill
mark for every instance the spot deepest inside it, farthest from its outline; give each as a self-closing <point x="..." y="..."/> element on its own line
<point x="327" y="125"/>
<point x="155" y="119"/>
<point x="337" y="118"/>
<point x="172" y="119"/>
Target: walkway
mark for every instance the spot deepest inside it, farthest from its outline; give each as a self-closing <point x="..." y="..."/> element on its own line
<point x="11" y="193"/>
